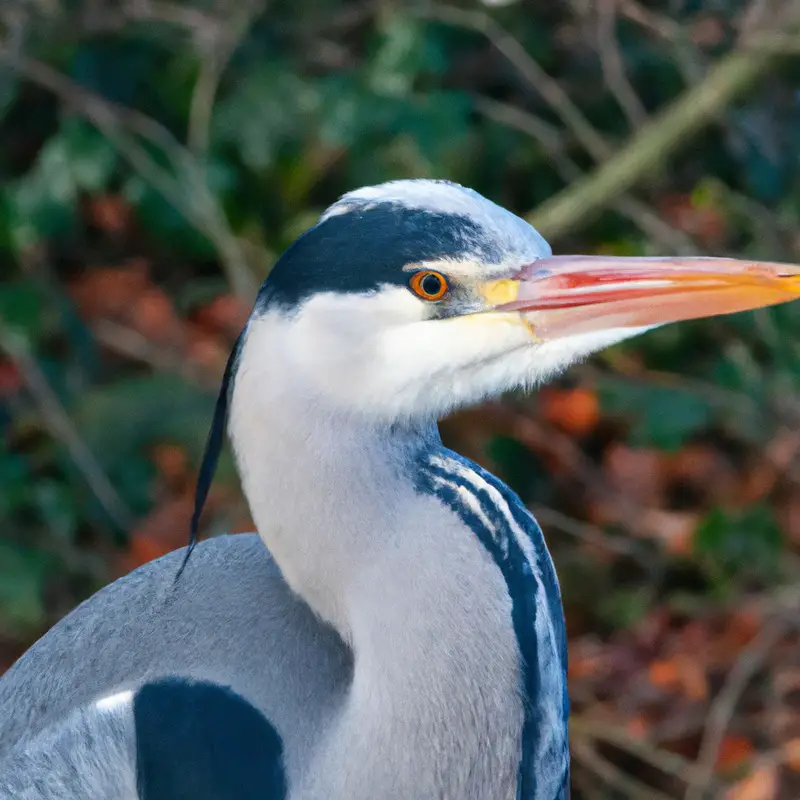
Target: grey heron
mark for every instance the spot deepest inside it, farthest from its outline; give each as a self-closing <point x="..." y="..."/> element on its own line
<point x="401" y="635"/>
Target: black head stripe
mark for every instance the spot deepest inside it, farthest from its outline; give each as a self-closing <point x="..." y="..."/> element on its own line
<point x="365" y="248"/>
<point x="213" y="448"/>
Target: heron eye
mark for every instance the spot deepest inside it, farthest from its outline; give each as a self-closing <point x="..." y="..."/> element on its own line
<point x="429" y="285"/>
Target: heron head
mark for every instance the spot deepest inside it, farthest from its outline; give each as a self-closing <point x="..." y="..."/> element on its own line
<point x="413" y="297"/>
<point x="408" y="299"/>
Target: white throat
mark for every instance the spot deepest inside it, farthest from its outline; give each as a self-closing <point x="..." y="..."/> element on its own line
<point x="411" y="590"/>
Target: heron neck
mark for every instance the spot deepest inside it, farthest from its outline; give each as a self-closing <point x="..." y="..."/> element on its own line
<point x="409" y="588"/>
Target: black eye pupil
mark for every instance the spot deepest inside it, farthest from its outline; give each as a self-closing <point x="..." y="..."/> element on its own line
<point x="431" y="284"/>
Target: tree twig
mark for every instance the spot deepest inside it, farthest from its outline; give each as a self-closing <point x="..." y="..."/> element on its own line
<point x="653" y="145"/>
<point x="553" y="143"/>
<point x="614" y="67"/>
<point x="190" y="196"/>
<point x="663" y="760"/>
<point x="214" y="56"/>
<point x="719" y="717"/>
<point x="585" y="754"/>
<point x="549" y="89"/>
<point x="58" y="423"/>
<point x="686" y="56"/>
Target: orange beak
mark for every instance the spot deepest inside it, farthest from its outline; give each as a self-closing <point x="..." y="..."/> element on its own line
<point x="568" y="295"/>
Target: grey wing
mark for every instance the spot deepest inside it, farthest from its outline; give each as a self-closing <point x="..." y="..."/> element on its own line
<point x="230" y="622"/>
<point x="171" y="739"/>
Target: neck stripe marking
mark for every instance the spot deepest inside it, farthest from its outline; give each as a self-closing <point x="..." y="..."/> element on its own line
<point x="514" y="541"/>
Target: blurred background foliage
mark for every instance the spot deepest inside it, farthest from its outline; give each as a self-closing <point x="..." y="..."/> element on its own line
<point x="157" y="156"/>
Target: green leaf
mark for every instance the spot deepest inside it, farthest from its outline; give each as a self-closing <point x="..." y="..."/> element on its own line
<point x="742" y="544"/>
<point x="23" y="573"/>
<point x="165" y="222"/>
<point x="123" y="421"/>
<point x="659" y="416"/>
<point x="16" y="480"/>
<point x="624" y="608"/>
<point x="398" y="57"/>
<point x="57" y="507"/>
<point x="21" y="308"/>
<point x="269" y="108"/>
<point x="42" y="204"/>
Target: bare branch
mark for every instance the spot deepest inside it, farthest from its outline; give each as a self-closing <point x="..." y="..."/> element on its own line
<point x="686" y="56"/>
<point x="553" y="143"/>
<point x="529" y="70"/>
<point x="653" y="144"/>
<point x="719" y="717"/>
<point x="214" y="57"/>
<point x="60" y="426"/>
<point x="587" y="756"/>
<point x="614" y="67"/>
<point x="189" y="194"/>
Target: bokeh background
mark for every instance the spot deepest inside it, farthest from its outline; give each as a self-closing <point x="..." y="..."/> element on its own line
<point x="157" y="156"/>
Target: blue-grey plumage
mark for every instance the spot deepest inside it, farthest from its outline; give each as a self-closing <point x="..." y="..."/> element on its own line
<point x="401" y="634"/>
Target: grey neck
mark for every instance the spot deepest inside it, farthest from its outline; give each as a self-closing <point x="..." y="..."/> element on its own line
<point x="409" y="588"/>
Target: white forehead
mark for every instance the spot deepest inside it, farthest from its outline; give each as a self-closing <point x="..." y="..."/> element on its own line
<point x="445" y="197"/>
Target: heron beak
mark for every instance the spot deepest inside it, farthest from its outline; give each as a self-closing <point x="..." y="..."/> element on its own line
<point x="568" y="295"/>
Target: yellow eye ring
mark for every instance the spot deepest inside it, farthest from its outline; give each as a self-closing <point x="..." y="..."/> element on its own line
<point x="429" y="285"/>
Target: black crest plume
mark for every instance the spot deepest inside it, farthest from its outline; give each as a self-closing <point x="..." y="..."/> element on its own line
<point x="213" y="448"/>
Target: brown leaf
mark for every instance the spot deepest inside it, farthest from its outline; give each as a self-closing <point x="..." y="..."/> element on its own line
<point x="636" y="472"/>
<point x="225" y="314"/>
<point x="143" y="549"/>
<point x="704" y="471"/>
<point x="707" y="224"/>
<point x="761" y="785"/>
<point x="109" y="291"/>
<point x="789" y="516"/>
<point x="10" y="379"/>
<point x="164" y="529"/>
<point x="694" y="682"/>
<point x="172" y="463"/>
<point x="733" y="752"/>
<point x="574" y="411"/>
<point x="109" y="213"/>
<point x="740" y="628"/>
<point x="680" y="673"/>
<point x="664" y="673"/>
<point x="791" y="754"/>
<point x="153" y="315"/>
<point x="707" y="31"/>
<point x="674" y="529"/>
<point x="206" y="351"/>
<point x="638" y="727"/>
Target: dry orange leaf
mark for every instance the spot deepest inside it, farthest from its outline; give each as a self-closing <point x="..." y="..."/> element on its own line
<point x="733" y="752"/>
<point x="665" y="673"/>
<point x="171" y="462"/>
<point x="143" y="549"/>
<point x="674" y="529"/>
<point x="638" y="473"/>
<point x="681" y="673"/>
<point x="226" y="313"/>
<point x="575" y="411"/>
<point x="167" y="524"/>
<point x="205" y="350"/>
<point x="111" y="213"/>
<point x="707" y="224"/>
<point x="707" y="31"/>
<point x="791" y="754"/>
<point x="761" y="785"/>
<point x="638" y="727"/>
<point x="153" y="315"/>
<point x="693" y="678"/>
<point x="10" y="378"/>
<point x="108" y="292"/>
